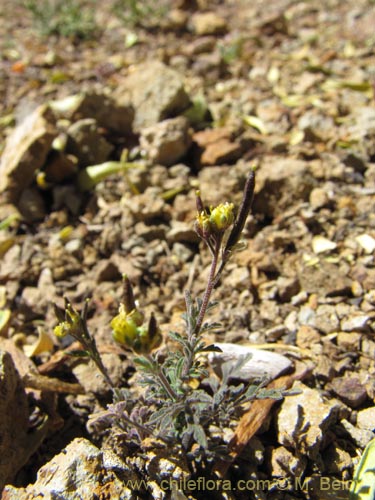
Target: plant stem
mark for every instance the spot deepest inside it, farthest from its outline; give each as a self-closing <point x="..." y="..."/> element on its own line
<point x="163" y="379"/>
<point x="209" y="287"/>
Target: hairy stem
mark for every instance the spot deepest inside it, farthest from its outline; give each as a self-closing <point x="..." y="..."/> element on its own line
<point x="209" y="287"/>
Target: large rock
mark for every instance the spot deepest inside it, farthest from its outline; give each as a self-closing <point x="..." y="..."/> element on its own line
<point x="100" y="107"/>
<point x="14" y="450"/>
<point x="303" y="420"/>
<point x="81" y="470"/>
<point x="156" y="93"/>
<point x="25" y="152"/>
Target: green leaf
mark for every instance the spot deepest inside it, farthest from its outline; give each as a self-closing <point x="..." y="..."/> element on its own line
<point x="363" y="486"/>
<point x="144" y="363"/>
<point x="200" y="436"/>
<point x="78" y="353"/>
<point x="211" y="348"/>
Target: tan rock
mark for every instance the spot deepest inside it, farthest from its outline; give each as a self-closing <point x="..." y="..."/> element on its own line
<point x="155" y="91"/>
<point x="208" y="23"/>
<point x="13" y="421"/>
<point x="25" y="152"/>
<point x="166" y="142"/>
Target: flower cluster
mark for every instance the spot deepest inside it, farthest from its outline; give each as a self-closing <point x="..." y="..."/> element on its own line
<point x="128" y="326"/>
<point x="215" y="221"/>
<point x="70" y="322"/>
<point x="129" y="331"/>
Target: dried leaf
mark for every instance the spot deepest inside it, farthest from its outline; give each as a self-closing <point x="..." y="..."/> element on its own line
<point x="4" y="318"/>
<point x="255" y="122"/>
<point x="44" y="343"/>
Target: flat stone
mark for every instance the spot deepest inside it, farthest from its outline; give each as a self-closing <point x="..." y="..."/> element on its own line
<point x="359" y="323"/>
<point x="261" y="364"/>
<point x="212" y="135"/>
<point x="318" y="198"/>
<point x="166" y="142"/>
<point x="349" y="390"/>
<point x="367" y="242"/>
<point x="326" y="319"/>
<point x="25" y="152"/>
<point x="320" y="244"/>
<point x="155" y="91"/>
<point x="219" y="152"/>
<point x="349" y="341"/>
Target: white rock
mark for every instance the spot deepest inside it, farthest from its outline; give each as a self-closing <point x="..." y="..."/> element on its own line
<point x="320" y="244"/>
<point x="367" y="242"/>
<point x="262" y="363"/>
<point x="355" y="323"/>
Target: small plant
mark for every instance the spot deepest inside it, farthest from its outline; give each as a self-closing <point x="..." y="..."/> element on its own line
<point x="67" y="18"/>
<point x="143" y="13"/>
<point x="181" y="401"/>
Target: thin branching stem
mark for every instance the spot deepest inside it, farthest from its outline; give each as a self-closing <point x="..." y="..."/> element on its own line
<point x="209" y="286"/>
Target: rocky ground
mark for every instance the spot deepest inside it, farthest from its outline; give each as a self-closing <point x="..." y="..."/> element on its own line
<point x="192" y="96"/>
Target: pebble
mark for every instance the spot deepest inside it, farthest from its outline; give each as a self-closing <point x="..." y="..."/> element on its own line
<point x="208" y="23"/>
<point x="307" y="335"/>
<point x="326" y="319"/>
<point x="349" y="342"/>
<point x="287" y="288"/>
<point x="367" y="242"/>
<point x="320" y="244"/>
<point x="285" y="463"/>
<point x="366" y="419"/>
<point x="349" y="390"/>
<point x="166" y="142"/>
<point x="356" y="323"/>
<point x="318" y="198"/>
<point x="361" y="437"/>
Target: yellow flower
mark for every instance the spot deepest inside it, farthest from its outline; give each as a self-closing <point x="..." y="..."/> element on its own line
<point x="222" y="216"/>
<point x="203" y="224"/>
<point x="62" y="329"/>
<point x="129" y="331"/>
<point x="71" y="325"/>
